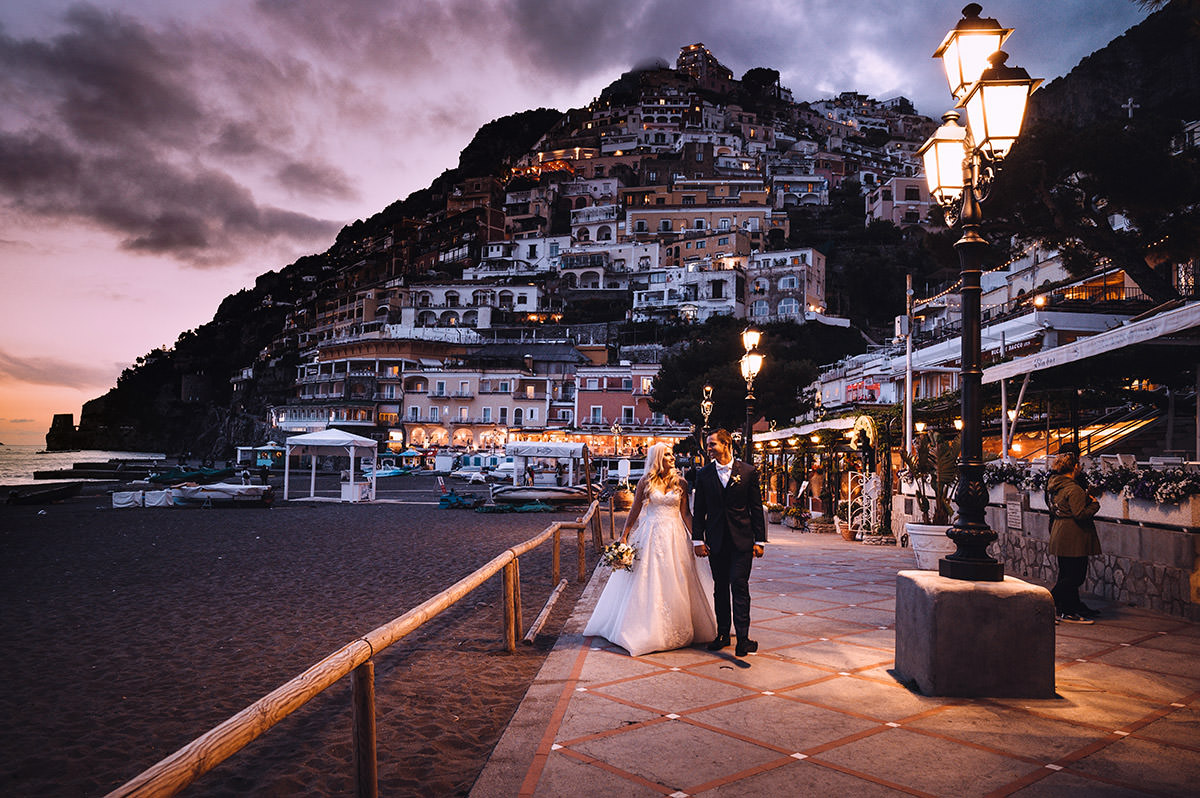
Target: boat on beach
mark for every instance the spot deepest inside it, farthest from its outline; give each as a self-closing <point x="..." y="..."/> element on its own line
<point x="223" y="494"/>
<point x="44" y="495"/>
<point x="525" y="454"/>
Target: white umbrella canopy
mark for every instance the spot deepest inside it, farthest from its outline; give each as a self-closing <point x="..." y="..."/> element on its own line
<point x="331" y="442"/>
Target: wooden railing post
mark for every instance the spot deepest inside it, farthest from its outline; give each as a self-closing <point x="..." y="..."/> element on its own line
<point x="366" y="765"/>
<point x="555" y="573"/>
<point x="612" y="521"/>
<point x="597" y="531"/>
<point x="510" y="630"/>
<point x="582" y="548"/>
<point x="518" y="620"/>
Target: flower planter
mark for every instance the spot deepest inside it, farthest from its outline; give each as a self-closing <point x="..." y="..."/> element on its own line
<point x="996" y="493"/>
<point x="1186" y="513"/>
<point x="792" y="521"/>
<point x="622" y="500"/>
<point x="1112" y="505"/>
<point x="774" y="517"/>
<point x="929" y="543"/>
<point x="1037" y="500"/>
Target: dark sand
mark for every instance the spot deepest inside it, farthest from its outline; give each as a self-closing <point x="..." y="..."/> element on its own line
<point x="128" y="633"/>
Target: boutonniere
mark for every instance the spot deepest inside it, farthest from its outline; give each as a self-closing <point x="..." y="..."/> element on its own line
<point x="735" y="479"/>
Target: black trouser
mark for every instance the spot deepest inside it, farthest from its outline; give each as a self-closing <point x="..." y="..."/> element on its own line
<point x="731" y="579"/>
<point x="1071" y="573"/>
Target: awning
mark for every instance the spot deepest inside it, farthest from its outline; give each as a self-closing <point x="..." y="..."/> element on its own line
<point x="1128" y="334"/>
<point x="843" y="423"/>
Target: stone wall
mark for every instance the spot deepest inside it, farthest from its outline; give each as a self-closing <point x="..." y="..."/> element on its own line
<point x="1143" y="566"/>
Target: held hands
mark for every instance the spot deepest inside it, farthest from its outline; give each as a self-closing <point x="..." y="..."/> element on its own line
<point x="700" y="550"/>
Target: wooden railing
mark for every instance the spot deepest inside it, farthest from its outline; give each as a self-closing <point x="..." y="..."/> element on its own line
<point x="172" y="774"/>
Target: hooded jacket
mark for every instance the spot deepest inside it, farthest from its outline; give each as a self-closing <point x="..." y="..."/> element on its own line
<point x="1072" y="532"/>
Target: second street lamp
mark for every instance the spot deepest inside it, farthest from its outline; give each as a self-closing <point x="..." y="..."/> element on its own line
<point x="993" y="96"/>
<point x="751" y="364"/>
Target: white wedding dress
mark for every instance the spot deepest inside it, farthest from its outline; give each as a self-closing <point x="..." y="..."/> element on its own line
<point x="666" y="601"/>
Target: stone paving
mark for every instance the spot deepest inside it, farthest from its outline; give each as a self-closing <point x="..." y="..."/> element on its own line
<point x="818" y="711"/>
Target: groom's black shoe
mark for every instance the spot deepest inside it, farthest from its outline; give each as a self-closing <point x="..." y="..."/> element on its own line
<point x="719" y="643"/>
<point x="745" y="646"/>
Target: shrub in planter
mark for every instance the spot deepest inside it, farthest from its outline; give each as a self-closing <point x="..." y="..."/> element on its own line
<point x="774" y="513"/>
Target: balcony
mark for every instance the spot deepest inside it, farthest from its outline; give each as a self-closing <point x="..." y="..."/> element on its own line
<point x="463" y="394"/>
<point x="531" y="397"/>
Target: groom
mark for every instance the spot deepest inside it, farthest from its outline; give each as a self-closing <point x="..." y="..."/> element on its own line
<point x="728" y="528"/>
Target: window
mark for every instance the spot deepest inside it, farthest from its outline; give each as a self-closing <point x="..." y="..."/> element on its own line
<point x="722" y="241"/>
<point x="689" y="200"/>
<point x="664" y="226"/>
<point x="504" y="386"/>
<point x="487" y="414"/>
<point x="639" y="226"/>
<point x="533" y="250"/>
<point x="593" y="384"/>
<point x="440" y="390"/>
<point x="518" y="417"/>
<point x="912" y="193"/>
<point x="434" y="415"/>
<point x="658" y="277"/>
<point x="503" y="416"/>
<point x="522" y="299"/>
<point x="554" y="249"/>
<point x="788" y="281"/>
<point x="598" y="171"/>
<point x="718" y="289"/>
<point x="627" y="415"/>
<point x="788" y="306"/>
<point x="464" y="387"/>
<point x="699" y="156"/>
<point x="647" y="384"/>
<point x="530" y="391"/>
<point x="414" y="412"/>
<point x="761" y="284"/>
<point x="462" y="414"/>
<point x="597" y="415"/>
<point x="760" y="308"/>
<point x="627" y="383"/>
<point x="651" y="176"/>
<point x="723" y="224"/>
<point x="701" y="244"/>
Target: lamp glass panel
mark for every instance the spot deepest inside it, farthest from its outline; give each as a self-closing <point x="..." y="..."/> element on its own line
<point x="943" y="156"/>
<point x="995" y="112"/>
<point x="966" y="56"/>
<point x="750" y="338"/>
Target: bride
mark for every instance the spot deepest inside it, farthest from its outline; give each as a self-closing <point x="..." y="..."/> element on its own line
<point x="665" y="601"/>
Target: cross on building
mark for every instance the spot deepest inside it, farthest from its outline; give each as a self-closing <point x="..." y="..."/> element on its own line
<point x="1130" y="106"/>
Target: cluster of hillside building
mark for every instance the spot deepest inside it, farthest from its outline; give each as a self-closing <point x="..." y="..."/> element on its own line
<point x="662" y="201"/>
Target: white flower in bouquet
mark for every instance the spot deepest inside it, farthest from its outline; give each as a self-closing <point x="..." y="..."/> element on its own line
<point x="619" y="556"/>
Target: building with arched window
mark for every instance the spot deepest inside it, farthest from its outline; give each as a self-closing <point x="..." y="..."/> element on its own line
<point x="788" y="283"/>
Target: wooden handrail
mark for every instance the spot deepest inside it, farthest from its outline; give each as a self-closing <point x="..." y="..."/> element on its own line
<point x="170" y="775"/>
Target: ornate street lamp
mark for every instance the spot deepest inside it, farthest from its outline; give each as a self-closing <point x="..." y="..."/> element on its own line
<point x="992" y="97"/>
<point x="706" y="408"/>
<point x="751" y="364"/>
<point x="616" y="431"/>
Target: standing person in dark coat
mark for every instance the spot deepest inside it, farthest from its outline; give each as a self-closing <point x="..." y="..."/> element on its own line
<point x="1073" y="536"/>
<point x="728" y="527"/>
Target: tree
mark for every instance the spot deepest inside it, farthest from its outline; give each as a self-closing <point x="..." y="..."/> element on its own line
<point x="1107" y="192"/>
<point x="791" y="354"/>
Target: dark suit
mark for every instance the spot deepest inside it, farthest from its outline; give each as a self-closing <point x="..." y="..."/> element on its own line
<point x="729" y="520"/>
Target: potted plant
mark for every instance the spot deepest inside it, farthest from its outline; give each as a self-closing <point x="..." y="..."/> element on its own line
<point x="775" y="513"/>
<point x="932" y="467"/>
<point x="794" y="517"/>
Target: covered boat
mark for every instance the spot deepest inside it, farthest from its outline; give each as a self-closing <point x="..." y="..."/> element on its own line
<point x="223" y="493"/>
<point x="530" y="485"/>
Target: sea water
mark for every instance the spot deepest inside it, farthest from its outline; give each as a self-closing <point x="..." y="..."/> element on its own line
<point x="17" y="463"/>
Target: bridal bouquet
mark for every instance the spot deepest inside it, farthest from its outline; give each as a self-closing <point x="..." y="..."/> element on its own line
<point x="619" y="556"/>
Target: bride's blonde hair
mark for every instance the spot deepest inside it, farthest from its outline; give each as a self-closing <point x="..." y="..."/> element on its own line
<point x="660" y="469"/>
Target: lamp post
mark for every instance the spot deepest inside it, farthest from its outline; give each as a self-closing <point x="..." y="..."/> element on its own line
<point x="616" y="430"/>
<point x="960" y="163"/>
<point x="751" y="364"/>
<point x="706" y="408"/>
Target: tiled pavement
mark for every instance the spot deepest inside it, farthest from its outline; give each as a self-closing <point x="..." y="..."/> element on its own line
<point x="818" y="712"/>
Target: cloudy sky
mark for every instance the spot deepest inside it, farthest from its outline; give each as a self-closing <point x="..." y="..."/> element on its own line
<point x="157" y="155"/>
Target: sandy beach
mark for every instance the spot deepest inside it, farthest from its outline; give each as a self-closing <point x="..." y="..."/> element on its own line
<point x="127" y="633"/>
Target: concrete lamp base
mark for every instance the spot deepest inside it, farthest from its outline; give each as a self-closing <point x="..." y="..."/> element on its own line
<point x="974" y="639"/>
